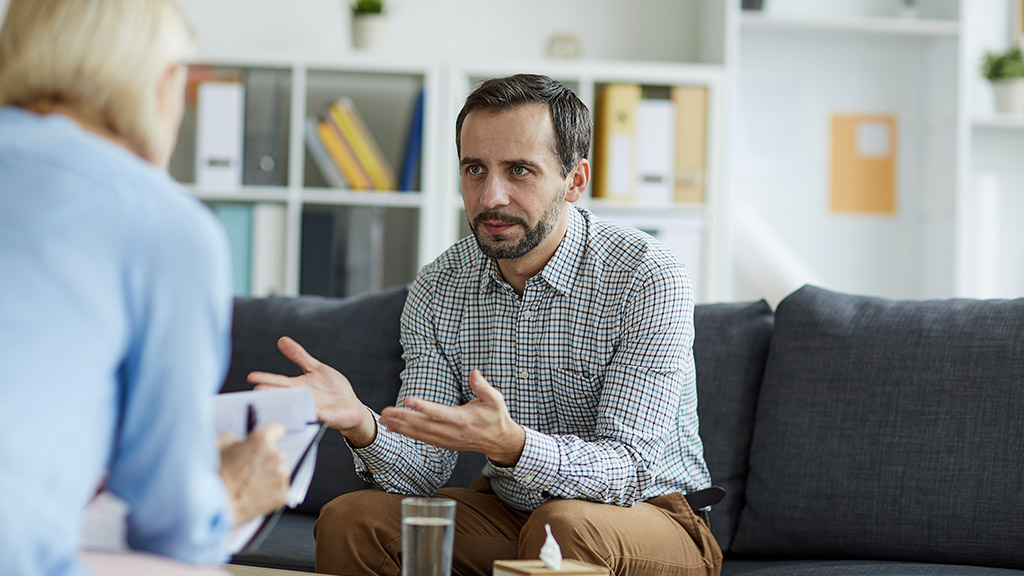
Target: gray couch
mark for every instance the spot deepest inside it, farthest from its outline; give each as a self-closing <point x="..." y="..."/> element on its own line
<point x="854" y="435"/>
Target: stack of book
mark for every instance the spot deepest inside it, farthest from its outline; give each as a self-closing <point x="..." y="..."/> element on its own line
<point x="348" y="156"/>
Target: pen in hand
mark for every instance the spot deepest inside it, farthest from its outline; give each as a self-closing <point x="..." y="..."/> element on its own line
<point x="250" y="420"/>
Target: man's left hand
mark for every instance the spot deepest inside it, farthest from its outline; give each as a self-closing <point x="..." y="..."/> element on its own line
<point x="482" y="425"/>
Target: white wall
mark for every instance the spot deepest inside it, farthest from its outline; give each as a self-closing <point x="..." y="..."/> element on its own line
<point x="611" y="29"/>
<point x="787" y="93"/>
<point x="449" y="28"/>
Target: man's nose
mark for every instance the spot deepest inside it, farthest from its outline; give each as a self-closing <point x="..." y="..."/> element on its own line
<point x="495" y="192"/>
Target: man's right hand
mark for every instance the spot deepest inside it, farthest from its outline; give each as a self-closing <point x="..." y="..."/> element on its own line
<point x="336" y="402"/>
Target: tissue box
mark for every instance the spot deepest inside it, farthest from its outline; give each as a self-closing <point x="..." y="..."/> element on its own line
<point x="535" y="567"/>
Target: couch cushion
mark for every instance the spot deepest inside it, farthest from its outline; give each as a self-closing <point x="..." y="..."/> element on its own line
<point x="889" y="429"/>
<point x="729" y="350"/>
<point x="359" y="337"/>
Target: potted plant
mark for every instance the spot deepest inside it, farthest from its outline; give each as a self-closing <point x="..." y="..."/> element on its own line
<point x="908" y="8"/>
<point x="1006" y="72"/>
<point x="369" y="24"/>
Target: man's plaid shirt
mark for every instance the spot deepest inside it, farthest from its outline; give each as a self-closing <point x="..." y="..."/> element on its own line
<point x="595" y="361"/>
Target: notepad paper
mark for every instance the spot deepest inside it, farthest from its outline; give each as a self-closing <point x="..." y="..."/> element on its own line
<point x="103" y="520"/>
<point x="537" y="567"/>
<point x="293" y="408"/>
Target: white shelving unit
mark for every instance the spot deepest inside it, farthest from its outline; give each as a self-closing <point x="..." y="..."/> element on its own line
<point x="384" y="92"/>
<point x="438" y="220"/>
<point x="585" y="78"/>
<point x="697" y="52"/>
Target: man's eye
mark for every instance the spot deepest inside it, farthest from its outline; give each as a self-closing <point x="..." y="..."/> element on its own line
<point x="474" y="169"/>
<point x="520" y="171"/>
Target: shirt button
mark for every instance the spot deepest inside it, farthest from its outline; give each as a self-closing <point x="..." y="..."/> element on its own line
<point x="524" y="374"/>
<point x="527" y="315"/>
<point x="528" y="478"/>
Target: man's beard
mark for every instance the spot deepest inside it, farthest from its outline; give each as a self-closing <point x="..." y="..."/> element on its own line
<point x="530" y="240"/>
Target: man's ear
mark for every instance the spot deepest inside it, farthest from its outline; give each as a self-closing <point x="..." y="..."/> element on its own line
<point x="578" y="180"/>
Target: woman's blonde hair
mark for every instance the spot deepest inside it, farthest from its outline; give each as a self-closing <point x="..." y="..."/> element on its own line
<point x="102" y="58"/>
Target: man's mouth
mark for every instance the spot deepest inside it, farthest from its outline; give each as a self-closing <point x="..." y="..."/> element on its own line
<point x="496" y="227"/>
<point x="496" y="224"/>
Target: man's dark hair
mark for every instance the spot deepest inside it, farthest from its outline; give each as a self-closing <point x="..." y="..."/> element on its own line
<point x="571" y="118"/>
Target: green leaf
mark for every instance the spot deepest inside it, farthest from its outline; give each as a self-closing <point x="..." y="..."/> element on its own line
<point x="367" y="6"/>
<point x="1010" y="64"/>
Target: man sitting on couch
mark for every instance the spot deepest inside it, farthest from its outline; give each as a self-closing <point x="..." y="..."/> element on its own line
<point x="583" y="329"/>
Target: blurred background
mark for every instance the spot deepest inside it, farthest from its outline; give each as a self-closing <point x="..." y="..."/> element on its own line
<point x="853" y="144"/>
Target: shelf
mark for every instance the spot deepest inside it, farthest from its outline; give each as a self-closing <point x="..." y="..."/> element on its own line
<point x="367" y="63"/>
<point x="1004" y="122"/>
<point x="328" y="197"/>
<point x="247" y="194"/>
<point x="372" y="65"/>
<point x="332" y="197"/>
<point x="612" y="207"/>
<point x="602" y="71"/>
<point x="919" y="27"/>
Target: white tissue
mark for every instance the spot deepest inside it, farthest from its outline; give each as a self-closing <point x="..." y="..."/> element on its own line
<point x="550" y="553"/>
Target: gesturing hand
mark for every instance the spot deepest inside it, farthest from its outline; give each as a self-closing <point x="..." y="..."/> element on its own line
<point x="336" y="402"/>
<point x="482" y="425"/>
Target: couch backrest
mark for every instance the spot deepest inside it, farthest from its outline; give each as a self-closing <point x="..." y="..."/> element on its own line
<point x="359" y="337"/>
<point x="729" y="351"/>
<point x="889" y="430"/>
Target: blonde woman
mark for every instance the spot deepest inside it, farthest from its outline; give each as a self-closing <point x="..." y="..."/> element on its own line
<point x="115" y="296"/>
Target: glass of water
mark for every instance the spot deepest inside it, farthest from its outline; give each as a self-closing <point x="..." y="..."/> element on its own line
<point x="428" y="533"/>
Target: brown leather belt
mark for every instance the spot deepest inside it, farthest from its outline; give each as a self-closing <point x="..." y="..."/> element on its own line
<point x="703" y="498"/>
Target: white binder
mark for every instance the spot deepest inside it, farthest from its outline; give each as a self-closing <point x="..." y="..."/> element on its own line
<point x="220" y="130"/>
<point x="656" y="152"/>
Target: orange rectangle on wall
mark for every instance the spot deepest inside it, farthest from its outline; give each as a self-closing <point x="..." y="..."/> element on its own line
<point x="864" y="163"/>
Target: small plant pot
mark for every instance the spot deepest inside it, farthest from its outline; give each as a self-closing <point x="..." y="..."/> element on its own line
<point x="908" y="8"/>
<point x="369" y="32"/>
<point x="1009" y="95"/>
